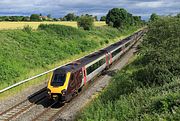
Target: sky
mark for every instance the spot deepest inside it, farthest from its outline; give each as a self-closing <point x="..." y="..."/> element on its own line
<point x="59" y="8"/>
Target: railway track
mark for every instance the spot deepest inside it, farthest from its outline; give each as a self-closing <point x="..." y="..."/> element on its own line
<point x="21" y="107"/>
<point x="49" y="113"/>
<point x="57" y="108"/>
<point x="53" y="110"/>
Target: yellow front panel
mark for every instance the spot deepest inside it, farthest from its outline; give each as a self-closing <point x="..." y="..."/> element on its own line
<point x="59" y="89"/>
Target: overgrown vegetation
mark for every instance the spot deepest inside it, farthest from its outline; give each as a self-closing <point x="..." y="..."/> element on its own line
<point x="148" y="88"/>
<point x="24" y="51"/>
<point x="86" y="22"/>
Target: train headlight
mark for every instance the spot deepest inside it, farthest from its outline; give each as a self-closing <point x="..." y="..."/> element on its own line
<point x="49" y="91"/>
<point x="63" y="92"/>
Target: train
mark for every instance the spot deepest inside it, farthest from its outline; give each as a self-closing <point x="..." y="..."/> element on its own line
<point x="68" y="80"/>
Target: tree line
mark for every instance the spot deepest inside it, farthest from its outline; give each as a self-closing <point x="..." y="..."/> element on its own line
<point x="116" y="17"/>
<point x="40" y="17"/>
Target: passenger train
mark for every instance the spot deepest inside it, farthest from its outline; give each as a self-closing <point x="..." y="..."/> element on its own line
<point x="69" y="79"/>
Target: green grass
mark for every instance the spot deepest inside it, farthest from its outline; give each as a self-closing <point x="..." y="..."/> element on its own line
<point x="148" y="89"/>
<point x="27" y="52"/>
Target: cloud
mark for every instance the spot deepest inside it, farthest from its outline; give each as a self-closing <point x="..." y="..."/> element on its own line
<point x="58" y="8"/>
<point x="154" y="4"/>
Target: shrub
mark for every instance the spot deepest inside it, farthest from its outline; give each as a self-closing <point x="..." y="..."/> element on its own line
<point x="62" y="30"/>
<point x="27" y="28"/>
<point x="103" y="18"/>
<point x="86" y="22"/>
<point x="34" y="17"/>
<point x="153" y="75"/>
<point x="160" y="53"/>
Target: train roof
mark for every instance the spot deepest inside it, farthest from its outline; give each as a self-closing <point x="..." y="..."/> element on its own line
<point x="78" y="64"/>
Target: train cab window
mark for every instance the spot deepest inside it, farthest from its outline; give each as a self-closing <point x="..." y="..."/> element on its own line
<point x="58" y="79"/>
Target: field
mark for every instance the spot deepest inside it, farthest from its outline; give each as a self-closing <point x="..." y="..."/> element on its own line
<point x="34" y="25"/>
<point x="148" y="89"/>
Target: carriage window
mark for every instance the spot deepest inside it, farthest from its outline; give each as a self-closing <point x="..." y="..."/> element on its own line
<point x="58" y="79"/>
<point x="127" y="44"/>
<point x="96" y="65"/>
<point x="116" y="52"/>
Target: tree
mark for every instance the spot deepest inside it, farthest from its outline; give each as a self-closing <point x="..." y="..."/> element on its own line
<point x="95" y="18"/>
<point x="117" y="17"/>
<point x="178" y="15"/>
<point x="86" y="22"/>
<point x="103" y="18"/>
<point x="137" y="20"/>
<point x="25" y="19"/>
<point x="130" y="19"/>
<point x="34" y="17"/>
<point x="49" y="15"/>
<point x="70" y="17"/>
<point x="154" y="17"/>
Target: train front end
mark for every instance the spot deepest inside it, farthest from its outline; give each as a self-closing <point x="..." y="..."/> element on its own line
<point x="58" y="84"/>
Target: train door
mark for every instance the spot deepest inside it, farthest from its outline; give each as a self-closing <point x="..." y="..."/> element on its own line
<point x="72" y="84"/>
<point x="78" y="78"/>
<point x="84" y="76"/>
<point x="108" y="59"/>
<point x="123" y="48"/>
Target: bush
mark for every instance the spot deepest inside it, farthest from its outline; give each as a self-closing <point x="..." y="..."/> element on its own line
<point x="27" y="28"/>
<point x="63" y="31"/>
<point x="86" y="22"/>
<point x="160" y="53"/>
<point x="153" y="75"/>
<point x="34" y="17"/>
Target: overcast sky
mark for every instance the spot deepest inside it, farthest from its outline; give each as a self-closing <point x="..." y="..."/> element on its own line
<point x="58" y="8"/>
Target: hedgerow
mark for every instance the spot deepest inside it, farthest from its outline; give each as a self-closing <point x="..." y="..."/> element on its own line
<point x="160" y="56"/>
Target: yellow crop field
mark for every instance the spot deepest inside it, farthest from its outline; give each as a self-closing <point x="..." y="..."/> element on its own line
<point x="34" y="25"/>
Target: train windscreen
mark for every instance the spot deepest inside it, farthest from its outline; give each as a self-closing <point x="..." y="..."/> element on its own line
<point x="58" y="80"/>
